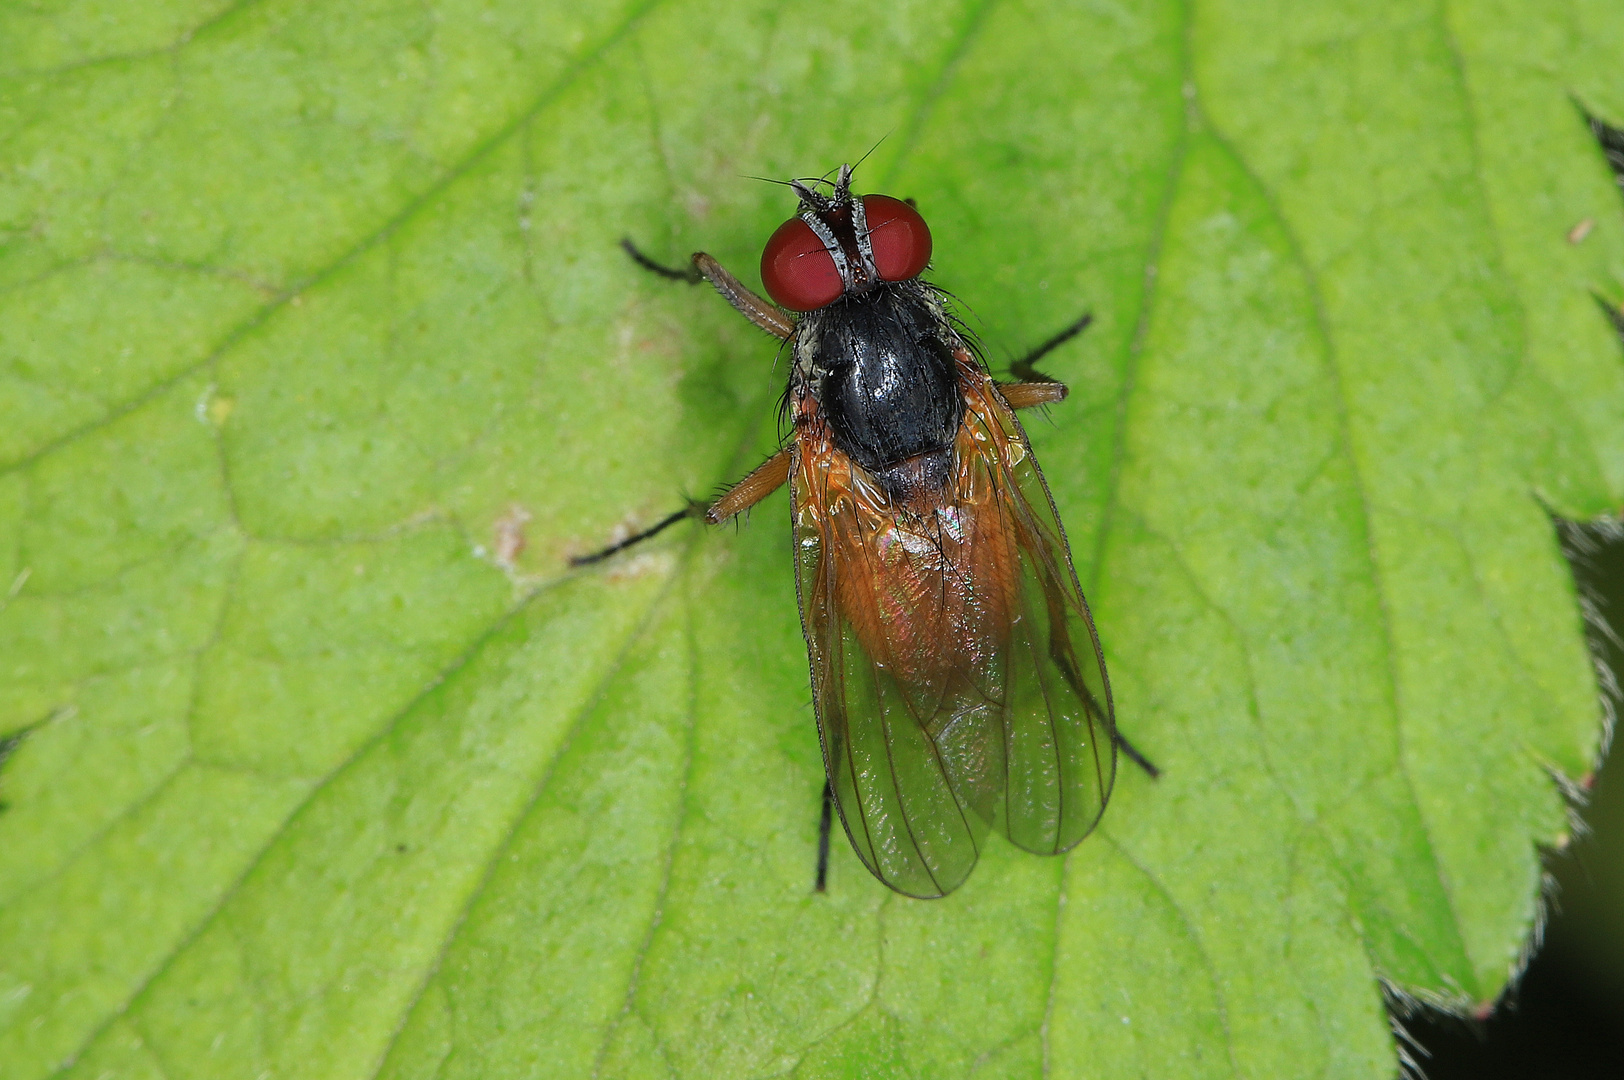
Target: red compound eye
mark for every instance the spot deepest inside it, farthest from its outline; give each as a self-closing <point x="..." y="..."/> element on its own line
<point x="899" y="235"/>
<point x="797" y="270"/>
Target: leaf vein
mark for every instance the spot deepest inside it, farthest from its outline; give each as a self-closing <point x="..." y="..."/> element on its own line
<point x="1367" y="512"/>
<point x="662" y="891"/>
<point x="952" y="57"/>
<point x="187" y="939"/>
<point x="412" y="207"/>
<point x="1196" y="939"/>
<point x="505" y="844"/>
<point x="1125" y="391"/>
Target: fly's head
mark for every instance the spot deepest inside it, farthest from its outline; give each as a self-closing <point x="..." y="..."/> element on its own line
<point x="842" y="245"/>
<point x="874" y="350"/>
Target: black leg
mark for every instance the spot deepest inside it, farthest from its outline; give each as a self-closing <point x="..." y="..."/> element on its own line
<point x="691" y="510"/>
<point x="824" y="824"/>
<point x="1136" y="757"/>
<point x="1023" y="370"/>
<point x="691" y="274"/>
<point x="772" y="319"/>
<point x="1122" y="743"/>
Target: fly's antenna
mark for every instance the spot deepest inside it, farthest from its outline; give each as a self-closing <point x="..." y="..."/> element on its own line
<point x="843" y="185"/>
<point x="803" y="183"/>
<point x="803" y="186"/>
<point x="812" y="180"/>
<point x="768" y="180"/>
<point x="810" y="196"/>
<point x="876" y="146"/>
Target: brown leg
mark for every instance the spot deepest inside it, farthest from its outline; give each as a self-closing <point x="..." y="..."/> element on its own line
<point x="745" y="302"/>
<point x="1024" y="395"/>
<point x="765" y="479"/>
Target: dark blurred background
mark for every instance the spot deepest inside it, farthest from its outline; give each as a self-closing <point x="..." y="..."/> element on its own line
<point x="1565" y="1019"/>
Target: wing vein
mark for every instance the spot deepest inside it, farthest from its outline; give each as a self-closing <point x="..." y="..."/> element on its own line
<point x="902" y="807"/>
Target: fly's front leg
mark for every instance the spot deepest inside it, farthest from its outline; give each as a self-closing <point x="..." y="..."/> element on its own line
<point x="689" y="274"/>
<point x="745" y="302"/>
<point x="734" y="291"/>
<point x="765" y="479"/>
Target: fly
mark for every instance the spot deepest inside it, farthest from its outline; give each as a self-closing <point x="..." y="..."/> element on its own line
<point x="957" y="677"/>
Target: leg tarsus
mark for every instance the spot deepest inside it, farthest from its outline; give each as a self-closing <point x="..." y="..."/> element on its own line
<point x="1023" y="369"/>
<point x="689" y="274"/>
<point x="1136" y="757"/>
<point x="693" y="509"/>
<point x="825" y="822"/>
<point x="704" y="268"/>
<point x="763" y="480"/>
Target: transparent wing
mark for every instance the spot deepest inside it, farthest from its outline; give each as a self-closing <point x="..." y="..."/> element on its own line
<point x="956" y="674"/>
<point x="1058" y="722"/>
<point x="891" y="779"/>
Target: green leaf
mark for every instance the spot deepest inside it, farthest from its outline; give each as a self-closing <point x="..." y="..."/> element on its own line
<point x="308" y="315"/>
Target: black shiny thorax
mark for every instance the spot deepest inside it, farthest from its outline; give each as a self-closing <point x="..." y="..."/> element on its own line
<point x="881" y="366"/>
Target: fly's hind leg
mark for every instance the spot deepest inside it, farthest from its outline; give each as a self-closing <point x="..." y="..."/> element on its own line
<point x="765" y="479"/>
<point x="734" y="291"/>
<point x="1136" y="757"/>
<point x="1119" y="740"/>
<point x="826" y="820"/>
